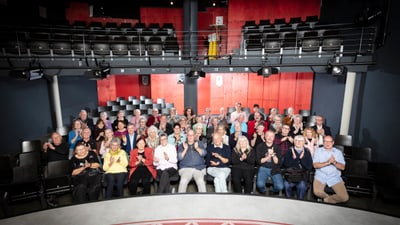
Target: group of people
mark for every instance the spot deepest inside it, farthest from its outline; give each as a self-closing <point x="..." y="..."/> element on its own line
<point x="278" y="151"/>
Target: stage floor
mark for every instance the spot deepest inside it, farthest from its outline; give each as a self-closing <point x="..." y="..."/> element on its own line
<point x="204" y="209"/>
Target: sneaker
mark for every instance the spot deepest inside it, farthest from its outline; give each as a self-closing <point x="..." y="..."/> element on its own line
<point x="320" y="200"/>
<point x="173" y="190"/>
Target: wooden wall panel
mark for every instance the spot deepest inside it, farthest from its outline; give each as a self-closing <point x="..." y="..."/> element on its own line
<point x="203" y="93"/>
<point x="255" y="89"/>
<point x="271" y="92"/>
<point x="127" y="85"/>
<point x="239" y="88"/>
<point x="287" y="90"/>
<point x="165" y="86"/>
<point x="216" y="92"/>
<point x="106" y="90"/>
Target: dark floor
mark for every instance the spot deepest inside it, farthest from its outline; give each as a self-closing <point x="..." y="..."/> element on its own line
<point x="357" y="202"/>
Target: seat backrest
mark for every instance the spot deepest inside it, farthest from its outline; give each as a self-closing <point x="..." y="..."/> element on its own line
<point x="57" y="168"/>
<point x="24" y="174"/>
<point x="363" y="153"/>
<point x="356" y="167"/>
<point x="345" y="140"/>
<point x="31" y="146"/>
<point x="6" y="172"/>
<point x="29" y="159"/>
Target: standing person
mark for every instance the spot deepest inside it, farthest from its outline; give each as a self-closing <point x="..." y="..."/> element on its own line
<point x="328" y="163"/>
<point x="191" y="163"/>
<point x="298" y="164"/>
<point x="141" y="164"/>
<point x="243" y="163"/>
<point x="115" y="168"/>
<point x="218" y="160"/>
<point x="74" y="136"/>
<point x="165" y="160"/>
<point x="321" y="129"/>
<point x="129" y="140"/>
<point x="86" y="176"/>
<point x="268" y="157"/>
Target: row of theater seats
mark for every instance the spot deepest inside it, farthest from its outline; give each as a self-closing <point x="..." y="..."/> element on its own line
<point x="308" y="35"/>
<point x="86" y="41"/>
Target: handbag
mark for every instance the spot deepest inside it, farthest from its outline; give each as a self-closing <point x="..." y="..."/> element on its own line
<point x="294" y="175"/>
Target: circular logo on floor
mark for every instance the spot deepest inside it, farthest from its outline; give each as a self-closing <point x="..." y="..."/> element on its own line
<point x="203" y="222"/>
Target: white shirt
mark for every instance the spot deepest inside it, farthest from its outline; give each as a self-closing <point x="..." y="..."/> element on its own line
<point x="163" y="164"/>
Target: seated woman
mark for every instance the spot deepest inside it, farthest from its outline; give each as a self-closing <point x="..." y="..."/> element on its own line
<point x="243" y="163"/>
<point x="86" y="176"/>
<point x="165" y="161"/>
<point x="141" y="164"/>
<point x="152" y="139"/>
<point x="115" y="168"/>
<point x="121" y="130"/>
<point x="178" y="137"/>
<point x="311" y="141"/>
<point x="74" y="135"/>
<point x="98" y="134"/>
<point x="142" y="130"/>
<point x="105" y="144"/>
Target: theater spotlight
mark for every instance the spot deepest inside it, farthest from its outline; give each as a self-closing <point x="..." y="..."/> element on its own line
<point x="266" y="71"/>
<point x="337" y="70"/>
<point x="99" y="73"/>
<point x="27" y="74"/>
<point x="196" y="72"/>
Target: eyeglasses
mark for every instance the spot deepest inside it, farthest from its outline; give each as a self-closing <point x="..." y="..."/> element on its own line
<point x="163" y="139"/>
<point x="328" y="141"/>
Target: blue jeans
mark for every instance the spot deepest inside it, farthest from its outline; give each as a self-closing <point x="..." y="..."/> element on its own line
<point x="115" y="180"/>
<point x="262" y="176"/>
<point x="301" y="188"/>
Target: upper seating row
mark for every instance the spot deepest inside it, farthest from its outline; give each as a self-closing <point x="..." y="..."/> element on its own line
<point x="279" y="24"/>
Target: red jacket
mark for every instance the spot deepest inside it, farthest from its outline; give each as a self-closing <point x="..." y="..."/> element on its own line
<point x="148" y="153"/>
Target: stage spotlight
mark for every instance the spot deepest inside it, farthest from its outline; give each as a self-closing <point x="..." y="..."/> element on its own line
<point x="99" y="73"/>
<point x="196" y="72"/>
<point x="266" y="71"/>
<point x="27" y="74"/>
<point x="337" y="70"/>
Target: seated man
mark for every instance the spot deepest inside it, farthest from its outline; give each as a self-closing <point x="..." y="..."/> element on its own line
<point x="268" y="156"/>
<point x="218" y="161"/>
<point x="328" y="163"/>
<point x="298" y="162"/>
<point x="191" y="163"/>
